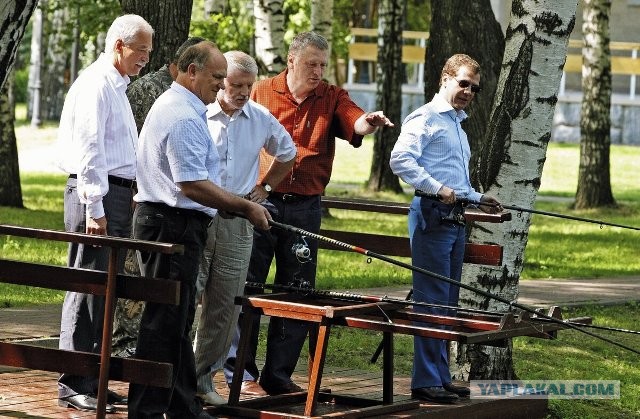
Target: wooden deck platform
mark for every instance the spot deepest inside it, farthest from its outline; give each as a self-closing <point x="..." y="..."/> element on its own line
<point x="33" y="394"/>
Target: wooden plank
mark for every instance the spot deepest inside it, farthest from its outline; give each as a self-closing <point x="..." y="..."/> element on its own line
<point x="366" y="51"/>
<point x="619" y="65"/>
<point x="482" y="254"/>
<point x="84" y="363"/>
<point x="88" y="281"/>
<point x="108" y="241"/>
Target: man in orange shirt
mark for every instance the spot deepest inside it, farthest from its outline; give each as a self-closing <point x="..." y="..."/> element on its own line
<point x="314" y="113"/>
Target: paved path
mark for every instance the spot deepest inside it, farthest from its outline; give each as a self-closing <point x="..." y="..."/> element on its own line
<point x="44" y="321"/>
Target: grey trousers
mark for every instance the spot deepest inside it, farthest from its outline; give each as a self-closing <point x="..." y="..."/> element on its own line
<point x="83" y="314"/>
<point x="221" y="277"/>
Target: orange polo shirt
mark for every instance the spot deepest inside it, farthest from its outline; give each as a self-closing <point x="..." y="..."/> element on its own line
<point x="313" y="124"/>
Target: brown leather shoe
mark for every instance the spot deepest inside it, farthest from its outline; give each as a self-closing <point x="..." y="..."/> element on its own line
<point x="252" y="388"/>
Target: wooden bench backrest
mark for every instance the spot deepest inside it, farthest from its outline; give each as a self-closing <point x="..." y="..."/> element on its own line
<point x="399" y="245"/>
<point x="109" y="284"/>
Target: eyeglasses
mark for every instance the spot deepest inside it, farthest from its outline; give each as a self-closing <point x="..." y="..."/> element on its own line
<point x="475" y="88"/>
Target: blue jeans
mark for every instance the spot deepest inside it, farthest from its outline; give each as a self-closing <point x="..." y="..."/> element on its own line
<point x="437" y="247"/>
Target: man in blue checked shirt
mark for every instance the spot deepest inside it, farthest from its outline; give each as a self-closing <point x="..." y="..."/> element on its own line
<point x="432" y="155"/>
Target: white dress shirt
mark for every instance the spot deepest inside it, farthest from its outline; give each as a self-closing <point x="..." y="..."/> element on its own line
<point x="239" y="140"/>
<point x="97" y="135"/>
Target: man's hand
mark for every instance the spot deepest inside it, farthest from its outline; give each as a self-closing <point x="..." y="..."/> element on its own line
<point x="495" y="206"/>
<point x="258" y="215"/>
<point x="377" y="119"/>
<point x="97" y="226"/>
<point x="447" y="195"/>
<point x="258" y="194"/>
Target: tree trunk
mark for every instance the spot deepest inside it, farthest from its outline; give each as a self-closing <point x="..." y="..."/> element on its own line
<point x="468" y="27"/>
<point x="10" y="192"/>
<point x="511" y="161"/>
<point x="389" y="92"/>
<point x="594" y="182"/>
<point x="14" y="15"/>
<point x="170" y="24"/>
<point x="321" y="23"/>
<point x="57" y="56"/>
<point x="35" y="66"/>
<point x="269" y="36"/>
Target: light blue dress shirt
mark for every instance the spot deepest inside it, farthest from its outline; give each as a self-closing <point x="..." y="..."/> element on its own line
<point x="239" y="140"/>
<point x="175" y="146"/>
<point x="432" y="150"/>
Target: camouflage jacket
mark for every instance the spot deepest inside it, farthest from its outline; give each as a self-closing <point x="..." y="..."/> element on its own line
<point x="143" y="92"/>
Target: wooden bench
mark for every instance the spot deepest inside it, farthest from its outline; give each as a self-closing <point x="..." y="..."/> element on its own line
<point x="622" y="65"/>
<point x="478" y="253"/>
<point x="112" y="286"/>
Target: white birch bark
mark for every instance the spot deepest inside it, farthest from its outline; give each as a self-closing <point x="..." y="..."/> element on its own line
<point x="321" y="23"/>
<point x="269" y="35"/>
<point x="510" y="166"/>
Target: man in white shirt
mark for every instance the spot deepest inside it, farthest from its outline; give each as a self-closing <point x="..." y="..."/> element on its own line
<point x="241" y="129"/>
<point x="97" y="139"/>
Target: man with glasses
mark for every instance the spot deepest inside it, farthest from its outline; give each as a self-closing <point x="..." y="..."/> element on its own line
<point x="432" y="154"/>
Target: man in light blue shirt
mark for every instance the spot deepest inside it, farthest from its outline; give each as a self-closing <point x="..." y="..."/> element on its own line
<point x="432" y="155"/>
<point x="178" y="191"/>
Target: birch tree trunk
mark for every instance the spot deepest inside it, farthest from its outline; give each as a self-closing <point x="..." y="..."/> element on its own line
<point x="321" y="23"/>
<point x="388" y="92"/>
<point x="594" y="182"/>
<point x="511" y="162"/>
<point x="35" y="65"/>
<point x="269" y="36"/>
<point x="14" y="15"/>
<point x="57" y="56"/>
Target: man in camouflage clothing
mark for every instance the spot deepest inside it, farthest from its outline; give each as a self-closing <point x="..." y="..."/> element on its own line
<point x="142" y="93"/>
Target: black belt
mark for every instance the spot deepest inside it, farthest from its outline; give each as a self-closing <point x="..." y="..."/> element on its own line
<point x="115" y="180"/>
<point x="182" y="212"/>
<point x="290" y="197"/>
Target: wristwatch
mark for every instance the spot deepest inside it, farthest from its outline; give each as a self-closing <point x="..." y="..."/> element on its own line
<point x="267" y="187"/>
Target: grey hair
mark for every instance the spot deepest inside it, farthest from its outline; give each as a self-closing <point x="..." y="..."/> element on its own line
<point x="305" y="39"/>
<point x="125" y="28"/>
<point x="197" y="54"/>
<point x="242" y="61"/>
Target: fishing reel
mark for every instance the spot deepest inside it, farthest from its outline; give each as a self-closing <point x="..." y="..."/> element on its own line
<point x="299" y="282"/>
<point x="301" y="250"/>
<point x="455" y="216"/>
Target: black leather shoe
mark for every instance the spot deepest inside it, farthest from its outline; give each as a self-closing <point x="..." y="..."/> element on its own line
<point x="84" y="402"/>
<point x="290" y="387"/>
<point x="459" y="390"/>
<point x="433" y="394"/>
<point x="115" y="398"/>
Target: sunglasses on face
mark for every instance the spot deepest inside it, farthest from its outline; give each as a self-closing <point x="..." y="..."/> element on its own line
<point x="475" y="88"/>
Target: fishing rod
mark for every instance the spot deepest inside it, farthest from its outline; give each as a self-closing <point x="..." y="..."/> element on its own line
<point x="475" y="290"/>
<point x="349" y="296"/>
<point x="466" y="201"/>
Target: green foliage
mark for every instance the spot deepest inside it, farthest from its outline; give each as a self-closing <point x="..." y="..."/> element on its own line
<point x="20" y="85"/>
<point x="230" y="31"/>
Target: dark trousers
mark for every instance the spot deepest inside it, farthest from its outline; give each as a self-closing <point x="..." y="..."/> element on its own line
<point x="285" y="337"/>
<point x="83" y="314"/>
<point x="165" y="328"/>
<point x="437" y="247"/>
